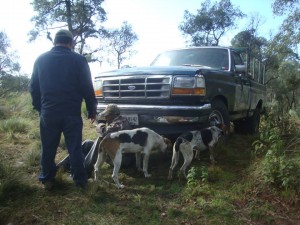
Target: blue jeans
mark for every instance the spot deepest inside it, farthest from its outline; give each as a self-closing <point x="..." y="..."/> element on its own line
<point x="51" y="128"/>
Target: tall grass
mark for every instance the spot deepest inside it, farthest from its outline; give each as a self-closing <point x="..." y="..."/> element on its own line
<point x="279" y="150"/>
<point x="10" y="127"/>
<point x="14" y="125"/>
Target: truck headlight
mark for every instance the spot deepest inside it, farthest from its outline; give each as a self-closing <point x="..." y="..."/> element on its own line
<point x="184" y="85"/>
<point x="98" y="87"/>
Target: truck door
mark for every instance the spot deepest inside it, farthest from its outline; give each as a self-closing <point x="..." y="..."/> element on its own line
<point x="242" y="88"/>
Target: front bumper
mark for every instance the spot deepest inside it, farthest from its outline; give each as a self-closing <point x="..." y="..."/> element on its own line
<point x="165" y="119"/>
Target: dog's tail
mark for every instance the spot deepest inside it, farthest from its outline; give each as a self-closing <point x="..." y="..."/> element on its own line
<point x="177" y="143"/>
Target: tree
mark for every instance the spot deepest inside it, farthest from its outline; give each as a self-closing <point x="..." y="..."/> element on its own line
<point x="290" y="78"/>
<point x="249" y="37"/>
<point x="10" y="80"/>
<point x="210" y="23"/>
<point x="9" y="64"/>
<point x="121" y="41"/>
<point x="289" y="33"/>
<point x="82" y="18"/>
<point x="283" y="58"/>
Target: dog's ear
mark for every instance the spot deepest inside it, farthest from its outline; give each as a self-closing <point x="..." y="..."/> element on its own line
<point x="221" y="126"/>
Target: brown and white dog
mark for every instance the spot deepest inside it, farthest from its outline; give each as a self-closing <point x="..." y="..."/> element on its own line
<point x="138" y="141"/>
<point x="194" y="140"/>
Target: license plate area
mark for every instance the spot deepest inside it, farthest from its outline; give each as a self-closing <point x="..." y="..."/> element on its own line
<point x="133" y="119"/>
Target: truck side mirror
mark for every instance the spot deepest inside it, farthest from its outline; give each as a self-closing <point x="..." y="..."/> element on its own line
<point x="240" y="68"/>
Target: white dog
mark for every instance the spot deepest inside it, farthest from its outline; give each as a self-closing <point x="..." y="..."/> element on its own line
<point x="139" y="141"/>
<point x="194" y="140"/>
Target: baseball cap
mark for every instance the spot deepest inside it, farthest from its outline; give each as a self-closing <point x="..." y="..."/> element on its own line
<point x="111" y="109"/>
<point x="63" y="36"/>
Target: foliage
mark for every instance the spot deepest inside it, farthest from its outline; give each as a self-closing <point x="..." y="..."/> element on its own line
<point x="82" y="18"/>
<point x="10" y="80"/>
<point x="283" y="75"/>
<point x="279" y="167"/>
<point x="10" y="83"/>
<point x="13" y="125"/>
<point x="248" y="39"/>
<point x="210" y="23"/>
<point x="289" y="33"/>
<point x="120" y="42"/>
<point x="8" y="59"/>
<point x="9" y="181"/>
<point x="197" y="174"/>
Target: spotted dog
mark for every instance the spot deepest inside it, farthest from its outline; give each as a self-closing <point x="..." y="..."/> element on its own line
<point x="138" y="141"/>
<point x="194" y="140"/>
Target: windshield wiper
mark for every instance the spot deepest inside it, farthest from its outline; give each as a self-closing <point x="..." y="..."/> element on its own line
<point x="196" y="65"/>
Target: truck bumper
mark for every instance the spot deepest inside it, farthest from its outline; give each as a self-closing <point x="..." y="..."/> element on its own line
<point x="164" y="119"/>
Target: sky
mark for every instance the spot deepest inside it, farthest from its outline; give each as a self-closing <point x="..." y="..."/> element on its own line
<point x="154" y="21"/>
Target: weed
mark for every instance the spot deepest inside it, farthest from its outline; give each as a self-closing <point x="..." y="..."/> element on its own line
<point x="196" y="174"/>
<point x="33" y="158"/>
<point x="14" y="125"/>
<point x="276" y="167"/>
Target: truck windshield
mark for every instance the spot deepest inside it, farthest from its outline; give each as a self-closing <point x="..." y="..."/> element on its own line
<point x="216" y="58"/>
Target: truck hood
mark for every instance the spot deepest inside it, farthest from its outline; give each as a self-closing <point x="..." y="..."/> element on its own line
<point x="152" y="70"/>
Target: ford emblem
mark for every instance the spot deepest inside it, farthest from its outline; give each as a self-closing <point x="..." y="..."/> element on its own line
<point x="131" y="87"/>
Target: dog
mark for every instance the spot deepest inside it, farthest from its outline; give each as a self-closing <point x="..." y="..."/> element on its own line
<point x="138" y="141"/>
<point x="197" y="140"/>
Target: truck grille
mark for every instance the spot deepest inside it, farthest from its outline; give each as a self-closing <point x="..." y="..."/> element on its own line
<point x="137" y="87"/>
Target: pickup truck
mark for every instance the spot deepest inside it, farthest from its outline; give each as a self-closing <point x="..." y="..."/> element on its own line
<point x="187" y="89"/>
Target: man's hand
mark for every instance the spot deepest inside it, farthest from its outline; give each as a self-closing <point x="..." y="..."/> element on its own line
<point x="92" y="118"/>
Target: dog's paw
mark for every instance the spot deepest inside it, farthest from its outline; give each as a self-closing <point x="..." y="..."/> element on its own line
<point x="213" y="162"/>
<point x="121" y="186"/>
<point x="147" y="175"/>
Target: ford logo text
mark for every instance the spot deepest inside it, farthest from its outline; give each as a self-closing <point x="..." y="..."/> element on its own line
<point x="131" y="87"/>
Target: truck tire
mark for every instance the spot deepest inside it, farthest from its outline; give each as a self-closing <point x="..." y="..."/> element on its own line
<point x="253" y="122"/>
<point x="219" y="114"/>
<point x="249" y="125"/>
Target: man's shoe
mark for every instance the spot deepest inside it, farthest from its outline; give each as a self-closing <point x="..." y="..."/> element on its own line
<point x="48" y="185"/>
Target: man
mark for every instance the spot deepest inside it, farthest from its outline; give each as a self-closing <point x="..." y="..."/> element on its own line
<point x="60" y="80"/>
<point x="109" y="121"/>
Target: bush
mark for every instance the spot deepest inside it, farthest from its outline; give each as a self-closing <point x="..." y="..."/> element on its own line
<point x="13" y="125"/>
<point x="197" y="174"/>
<point x="280" y="165"/>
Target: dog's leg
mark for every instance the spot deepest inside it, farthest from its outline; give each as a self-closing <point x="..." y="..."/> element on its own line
<point x="211" y="155"/>
<point x="138" y="161"/>
<point x="187" y="152"/>
<point x="117" y="164"/>
<point x="145" y="165"/>
<point x="100" y="160"/>
<point x="174" y="163"/>
<point x="197" y="153"/>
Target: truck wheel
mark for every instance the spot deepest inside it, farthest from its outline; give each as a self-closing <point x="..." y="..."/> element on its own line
<point x="239" y="126"/>
<point x="252" y="126"/>
<point x="219" y="114"/>
<point x="249" y="125"/>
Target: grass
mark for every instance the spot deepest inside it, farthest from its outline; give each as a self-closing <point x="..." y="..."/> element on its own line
<point x="232" y="192"/>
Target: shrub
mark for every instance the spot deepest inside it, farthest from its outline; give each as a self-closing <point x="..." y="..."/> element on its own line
<point x="13" y="125"/>
<point x="279" y="168"/>
<point x="197" y="174"/>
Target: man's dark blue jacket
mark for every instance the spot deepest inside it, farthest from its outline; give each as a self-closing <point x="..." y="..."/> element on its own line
<point x="60" y="80"/>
